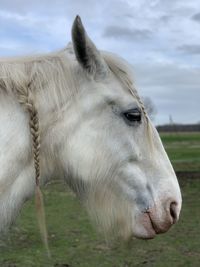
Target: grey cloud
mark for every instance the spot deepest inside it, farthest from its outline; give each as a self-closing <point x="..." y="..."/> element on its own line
<point x="190" y="49"/>
<point x="172" y="88"/>
<point x="196" y="17"/>
<point x="68" y="8"/>
<point x="170" y="75"/>
<point x="165" y="18"/>
<point x="127" y="33"/>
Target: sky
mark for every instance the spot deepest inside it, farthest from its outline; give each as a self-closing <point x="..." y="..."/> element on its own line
<point x="160" y="38"/>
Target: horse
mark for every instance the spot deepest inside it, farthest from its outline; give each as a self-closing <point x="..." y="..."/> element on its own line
<point x="76" y="114"/>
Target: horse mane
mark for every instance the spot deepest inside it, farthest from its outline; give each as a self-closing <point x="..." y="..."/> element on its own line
<point x="19" y="74"/>
<point x="54" y="71"/>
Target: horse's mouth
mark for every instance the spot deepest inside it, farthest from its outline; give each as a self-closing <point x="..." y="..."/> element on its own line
<point x="151" y="227"/>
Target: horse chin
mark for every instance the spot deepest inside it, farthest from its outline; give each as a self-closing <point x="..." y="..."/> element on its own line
<point x="143" y="228"/>
<point x="145" y="235"/>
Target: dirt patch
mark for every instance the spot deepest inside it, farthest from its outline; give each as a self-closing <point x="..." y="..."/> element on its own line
<point x="188" y="175"/>
<point x="62" y="265"/>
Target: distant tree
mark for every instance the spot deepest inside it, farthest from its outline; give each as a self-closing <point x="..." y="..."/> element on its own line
<point x="150" y="107"/>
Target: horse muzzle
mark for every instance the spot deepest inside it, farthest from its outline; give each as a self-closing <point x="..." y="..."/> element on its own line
<point x="155" y="220"/>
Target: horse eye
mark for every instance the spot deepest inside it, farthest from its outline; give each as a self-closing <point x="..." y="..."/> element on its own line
<point x="133" y="115"/>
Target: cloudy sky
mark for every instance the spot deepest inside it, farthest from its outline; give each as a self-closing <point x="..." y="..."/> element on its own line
<point x="160" y="38"/>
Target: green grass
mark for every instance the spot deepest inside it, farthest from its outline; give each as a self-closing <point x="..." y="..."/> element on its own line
<point x="73" y="240"/>
<point x="183" y="150"/>
<point x="181" y="137"/>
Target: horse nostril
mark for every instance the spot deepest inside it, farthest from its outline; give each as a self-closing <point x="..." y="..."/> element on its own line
<point x="173" y="212"/>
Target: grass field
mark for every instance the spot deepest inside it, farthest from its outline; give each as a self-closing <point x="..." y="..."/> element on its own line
<point x="74" y="242"/>
<point x="183" y="150"/>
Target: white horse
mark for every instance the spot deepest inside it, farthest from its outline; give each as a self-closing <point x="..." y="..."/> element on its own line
<point x="89" y="126"/>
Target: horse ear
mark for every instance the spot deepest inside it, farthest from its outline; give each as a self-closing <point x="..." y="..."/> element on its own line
<point x="86" y="52"/>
